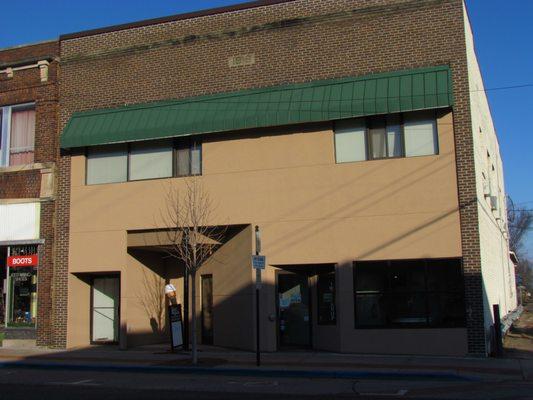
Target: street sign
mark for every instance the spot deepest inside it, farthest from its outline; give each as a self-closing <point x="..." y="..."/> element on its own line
<point x="258" y="262"/>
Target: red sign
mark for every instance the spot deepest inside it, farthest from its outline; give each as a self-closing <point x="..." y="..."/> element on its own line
<point x="23" y="261"/>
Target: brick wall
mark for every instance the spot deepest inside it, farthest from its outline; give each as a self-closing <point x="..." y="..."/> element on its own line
<point x="20" y="185"/>
<point x="25" y="182"/>
<point x="294" y="41"/>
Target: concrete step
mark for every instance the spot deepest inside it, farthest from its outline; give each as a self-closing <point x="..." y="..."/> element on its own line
<point x="19" y="344"/>
<point x="19" y="333"/>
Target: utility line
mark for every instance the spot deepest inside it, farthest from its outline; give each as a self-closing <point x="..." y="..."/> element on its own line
<point x="525" y="85"/>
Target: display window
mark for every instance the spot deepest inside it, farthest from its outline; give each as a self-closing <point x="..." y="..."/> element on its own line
<point x="21" y="287"/>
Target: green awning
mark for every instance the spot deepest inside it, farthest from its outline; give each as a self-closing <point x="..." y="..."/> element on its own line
<point x="258" y="108"/>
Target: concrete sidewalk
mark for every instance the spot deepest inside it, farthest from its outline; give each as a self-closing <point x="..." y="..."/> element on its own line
<point x="311" y="364"/>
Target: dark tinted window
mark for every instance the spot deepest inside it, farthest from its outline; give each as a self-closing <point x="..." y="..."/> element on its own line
<point x="371" y="276"/>
<point x="409" y="293"/>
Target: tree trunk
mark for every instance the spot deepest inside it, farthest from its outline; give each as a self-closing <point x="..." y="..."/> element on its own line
<point x="193" y="319"/>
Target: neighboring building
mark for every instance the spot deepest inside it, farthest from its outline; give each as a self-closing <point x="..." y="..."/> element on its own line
<point x="355" y="134"/>
<point x="28" y="152"/>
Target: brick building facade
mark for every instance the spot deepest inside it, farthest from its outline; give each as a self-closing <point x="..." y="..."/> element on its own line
<point x="260" y="45"/>
<point x="29" y="147"/>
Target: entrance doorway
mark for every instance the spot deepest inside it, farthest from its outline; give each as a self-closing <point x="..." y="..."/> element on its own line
<point x="294" y="316"/>
<point x="207" y="309"/>
<point x="105" y="300"/>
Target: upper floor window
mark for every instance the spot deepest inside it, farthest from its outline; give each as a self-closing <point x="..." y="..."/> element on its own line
<point x="150" y="160"/>
<point x="17" y="135"/>
<point x="143" y="160"/>
<point x="390" y="136"/>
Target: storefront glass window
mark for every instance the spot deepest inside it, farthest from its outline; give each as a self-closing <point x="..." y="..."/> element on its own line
<point x="23" y="297"/>
<point x="409" y="294"/>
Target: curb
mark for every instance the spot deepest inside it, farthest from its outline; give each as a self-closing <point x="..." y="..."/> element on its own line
<point x="268" y="372"/>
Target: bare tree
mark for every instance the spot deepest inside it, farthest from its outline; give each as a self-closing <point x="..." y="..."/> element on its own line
<point x="520" y="223"/>
<point x="190" y="237"/>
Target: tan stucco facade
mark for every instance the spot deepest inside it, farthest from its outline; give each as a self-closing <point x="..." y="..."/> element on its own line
<point x="310" y="211"/>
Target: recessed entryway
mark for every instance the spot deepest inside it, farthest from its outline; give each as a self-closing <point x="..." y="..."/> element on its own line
<point x="294" y="312"/>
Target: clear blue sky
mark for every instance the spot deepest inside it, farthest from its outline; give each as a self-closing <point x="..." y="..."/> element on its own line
<point x="503" y="32"/>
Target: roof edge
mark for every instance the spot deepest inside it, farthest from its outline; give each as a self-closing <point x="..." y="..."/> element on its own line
<point x="20" y="46"/>
<point x="172" y="18"/>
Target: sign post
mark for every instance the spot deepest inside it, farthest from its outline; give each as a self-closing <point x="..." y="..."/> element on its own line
<point x="258" y="263"/>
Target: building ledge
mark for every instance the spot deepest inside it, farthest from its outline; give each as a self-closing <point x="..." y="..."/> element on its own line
<point x="27" y="167"/>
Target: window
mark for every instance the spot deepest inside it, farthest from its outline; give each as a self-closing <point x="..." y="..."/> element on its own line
<point x="409" y="294"/>
<point x="150" y="160"/>
<point x="420" y="130"/>
<point x="143" y="160"/>
<point x="394" y="135"/>
<point x="327" y="313"/>
<point x="107" y="164"/>
<point x="350" y="140"/>
<point x="17" y="135"/>
<point x="189" y="159"/>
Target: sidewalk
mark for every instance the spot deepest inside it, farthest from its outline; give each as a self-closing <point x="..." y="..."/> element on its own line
<point x="516" y="366"/>
<point x="221" y="361"/>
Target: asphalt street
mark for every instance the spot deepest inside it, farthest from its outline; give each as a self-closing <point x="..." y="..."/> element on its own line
<point x="31" y="384"/>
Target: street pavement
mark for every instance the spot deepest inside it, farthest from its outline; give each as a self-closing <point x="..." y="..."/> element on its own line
<point x="152" y="372"/>
<point x="41" y="383"/>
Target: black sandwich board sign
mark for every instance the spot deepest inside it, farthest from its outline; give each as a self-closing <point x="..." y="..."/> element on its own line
<point x="176" y="326"/>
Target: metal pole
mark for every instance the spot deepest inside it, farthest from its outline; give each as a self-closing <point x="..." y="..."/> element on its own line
<point x="257" y="283"/>
<point x="185" y="309"/>
<point x="258" y="353"/>
<point x="498" y="351"/>
<point x="8" y="291"/>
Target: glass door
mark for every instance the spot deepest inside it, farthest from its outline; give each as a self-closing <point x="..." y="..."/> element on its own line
<point x="105" y="309"/>
<point x="23" y="297"/>
<point x="294" y="325"/>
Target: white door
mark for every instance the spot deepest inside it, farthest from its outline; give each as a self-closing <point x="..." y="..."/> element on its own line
<point x="106" y="298"/>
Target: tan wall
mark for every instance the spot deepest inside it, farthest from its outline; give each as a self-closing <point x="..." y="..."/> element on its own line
<point x="310" y="209"/>
<point x="233" y="295"/>
<point x="79" y="293"/>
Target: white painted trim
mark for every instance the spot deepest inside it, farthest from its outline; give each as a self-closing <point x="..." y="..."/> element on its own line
<point x="21" y="242"/>
<point x="42" y="65"/>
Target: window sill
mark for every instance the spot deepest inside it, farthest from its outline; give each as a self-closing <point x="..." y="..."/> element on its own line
<point x="142" y="180"/>
<point x="26" y="167"/>
<point x="385" y="159"/>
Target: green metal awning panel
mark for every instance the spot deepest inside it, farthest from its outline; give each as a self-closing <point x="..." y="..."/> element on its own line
<point x="258" y="108"/>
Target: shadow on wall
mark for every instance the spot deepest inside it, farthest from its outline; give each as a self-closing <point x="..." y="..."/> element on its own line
<point x="233" y="310"/>
<point x="151" y="268"/>
<point x="152" y="296"/>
